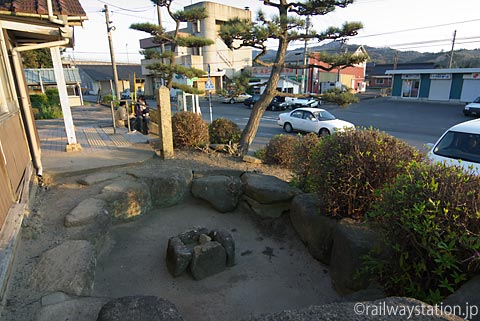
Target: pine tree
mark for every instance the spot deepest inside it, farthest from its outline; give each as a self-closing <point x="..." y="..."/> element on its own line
<point x="288" y="25"/>
<point x="167" y="68"/>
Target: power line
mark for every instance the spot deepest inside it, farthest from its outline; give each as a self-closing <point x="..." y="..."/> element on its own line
<point x="142" y="9"/>
<point x="415" y="29"/>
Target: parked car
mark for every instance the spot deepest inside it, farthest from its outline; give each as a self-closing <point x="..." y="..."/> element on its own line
<point x="303" y="102"/>
<point x="459" y="145"/>
<point x="314" y="120"/>
<point x="125" y="94"/>
<point x="277" y="103"/>
<point x="472" y="108"/>
<point x="236" y="99"/>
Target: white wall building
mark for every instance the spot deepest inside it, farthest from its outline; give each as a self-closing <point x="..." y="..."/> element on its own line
<point x="222" y="60"/>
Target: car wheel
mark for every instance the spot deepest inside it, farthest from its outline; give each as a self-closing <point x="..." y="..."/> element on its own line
<point x="288" y="128"/>
<point x="324" y="132"/>
<point x="250" y="106"/>
<point x="272" y="108"/>
<point x="466" y="113"/>
<point x="232" y="101"/>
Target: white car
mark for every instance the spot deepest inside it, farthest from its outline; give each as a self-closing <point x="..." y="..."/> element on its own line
<point x="459" y="145"/>
<point x="313" y="120"/>
<point x="473" y="108"/>
<point x="236" y="99"/>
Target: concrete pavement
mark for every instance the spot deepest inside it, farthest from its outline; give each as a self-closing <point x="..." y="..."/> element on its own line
<point x="102" y="147"/>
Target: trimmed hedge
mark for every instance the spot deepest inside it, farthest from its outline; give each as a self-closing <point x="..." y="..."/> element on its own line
<point x="223" y="131"/>
<point x="189" y="130"/>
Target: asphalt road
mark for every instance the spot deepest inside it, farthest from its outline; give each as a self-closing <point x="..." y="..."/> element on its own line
<point x="415" y="122"/>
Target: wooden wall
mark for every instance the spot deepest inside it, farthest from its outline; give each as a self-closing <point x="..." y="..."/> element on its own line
<point x="14" y="159"/>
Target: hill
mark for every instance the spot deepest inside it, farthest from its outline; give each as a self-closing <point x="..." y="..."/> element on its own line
<point x="462" y="58"/>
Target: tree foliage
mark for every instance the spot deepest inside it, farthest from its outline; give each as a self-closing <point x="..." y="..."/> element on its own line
<point x="39" y="58"/>
<point x="287" y="25"/>
<point x="166" y="68"/>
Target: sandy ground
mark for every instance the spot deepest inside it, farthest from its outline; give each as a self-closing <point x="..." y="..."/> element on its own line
<point x="273" y="269"/>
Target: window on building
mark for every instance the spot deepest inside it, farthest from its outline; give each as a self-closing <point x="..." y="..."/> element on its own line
<point x="410" y="88"/>
<point x="379" y="81"/>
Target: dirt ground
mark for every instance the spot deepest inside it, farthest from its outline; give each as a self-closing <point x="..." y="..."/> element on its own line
<point x="273" y="269"/>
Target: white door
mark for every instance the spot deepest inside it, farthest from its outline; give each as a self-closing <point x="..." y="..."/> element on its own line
<point x="470" y="90"/>
<point x="440" y="89"/>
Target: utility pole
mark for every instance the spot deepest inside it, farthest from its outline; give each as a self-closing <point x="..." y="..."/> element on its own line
<point x="303" y="84"/>
<point x="112" y="54"/>
<point x="451" y="52"/>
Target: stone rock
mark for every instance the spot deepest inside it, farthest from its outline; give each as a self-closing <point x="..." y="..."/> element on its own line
<point x="351" y="241"/>
<point x="97" y="178"/>
<point x="315" y="230"/>
<point x="69" y="268"/>
<point x="226" y="240"/>
<point x="267" y="189"/>
<point x="139" y="308"/>
<point x="222" y="192"/>
<point x="252" y="159"/>
<point x="85" y="212"/>
<point x="271" y="210"/>
<point x="178" y="257"/>
<point x="208" y="259"/>
<point x="192" y="236"/>
<point x="54" y="298"/>
<point x="371" y="293"/>
<point x="127" y="199"/>
<point x="467" y="293"/>
<point x="351" y="311"/>
<point x="204" y="239"/>
<point x="167" y="187"/>
<point x="72" y="310"/>
<point x="218" y="172"/>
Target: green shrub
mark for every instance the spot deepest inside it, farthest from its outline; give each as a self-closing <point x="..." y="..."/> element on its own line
<point x="347" y="168"/>
<point x="340" y="97"/>
<point x="431" y="214"/>
<point x="260" y="153"/>
<point x="38" y="100"/>
<point x="106" y="99"/>
<point x="280" y="150"/>
<point x="302" y="162"/>
<point x="53" y="96"/>
<point x="189" y="130"/>
<point x="49" y="112"/>
<point x="223" y="131"/>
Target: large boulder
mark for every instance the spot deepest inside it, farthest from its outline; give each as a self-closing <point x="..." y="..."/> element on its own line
<point x="267" y="189"/>
<point x="80" y="309"/>
<point x="468" y="293"/>
<point x="222" y="192"/>
<point x="351" y="242"/>
<point x="127" y="199"/>
<point x="68" y="267"/>
<point x="168" y="187"/>
<point x="392" y="309"/>
<point x="315" y="229"/>
<point x="97" y="178"/>
<point x="271" y="210"/>
<point x="136" y="308"/>
<point x="208" y="259"/>
<point x="86" y="212"/>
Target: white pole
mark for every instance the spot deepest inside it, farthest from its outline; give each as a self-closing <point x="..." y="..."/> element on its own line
<point x="210" y="105"/>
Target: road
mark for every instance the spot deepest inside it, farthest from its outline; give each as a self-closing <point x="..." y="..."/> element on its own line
<point x="415" y="122"/>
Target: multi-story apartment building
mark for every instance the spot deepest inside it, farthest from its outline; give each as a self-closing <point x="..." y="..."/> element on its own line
<point x="223" y="62"/>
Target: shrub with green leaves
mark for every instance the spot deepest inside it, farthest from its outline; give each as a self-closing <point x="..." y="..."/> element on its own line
<point x="347" y="168"/>
<point x="223" y="131"/>
<point x="52" y="96"/>
<point x="107" y="99"/>
<point x="280" y="150"/>
<point x="189" y="130"/>
<point x="339" y="97"/>
<point x="45" y="106"/>
<point x="431" y="215"/>
<point x="302" y="162"/>
<point x="38" y="100"/>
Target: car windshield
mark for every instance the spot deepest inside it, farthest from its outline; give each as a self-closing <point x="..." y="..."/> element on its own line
<point x="458" y="145"/>
<point x="477" y="100"/>
<point x="323" y="115"/>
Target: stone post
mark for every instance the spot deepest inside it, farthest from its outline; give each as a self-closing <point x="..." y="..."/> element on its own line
<point x="165" y="122"/>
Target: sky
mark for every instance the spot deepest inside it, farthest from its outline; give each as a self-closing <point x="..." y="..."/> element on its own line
<point x="420" y="25"/>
